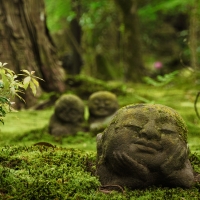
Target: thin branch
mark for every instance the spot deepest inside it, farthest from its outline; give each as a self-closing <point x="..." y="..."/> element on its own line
<point x="195" y="105"/>
<point x="109" y="188"/>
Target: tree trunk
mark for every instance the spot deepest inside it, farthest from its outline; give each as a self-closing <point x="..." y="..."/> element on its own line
<point x="76" y="46"/>
<point x="72" y="63"/>
<point x="193" y="34"/>
<point x="26" y="43"/>
<point x="134" y="69"/>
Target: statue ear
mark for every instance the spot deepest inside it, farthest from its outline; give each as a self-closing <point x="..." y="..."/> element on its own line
<point x="188" y="150"/>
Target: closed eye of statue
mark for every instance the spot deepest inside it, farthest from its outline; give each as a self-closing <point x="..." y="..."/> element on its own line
<point x="133" y="127"/>
<point x="167" y="131"/>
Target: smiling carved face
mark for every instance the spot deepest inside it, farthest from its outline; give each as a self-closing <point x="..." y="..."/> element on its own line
<point x="102" y="104"/>
<point x="149" y="134"/>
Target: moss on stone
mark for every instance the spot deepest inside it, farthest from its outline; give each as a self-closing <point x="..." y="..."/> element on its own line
<point x="102" y="103"/>
<point x="104" y="94"/>
<point x="163" y="112"/>
<point x="68" y="116"/>
<point x="69" y="100"/>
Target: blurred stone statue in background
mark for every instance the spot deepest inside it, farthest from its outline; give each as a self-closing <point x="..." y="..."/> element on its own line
<point x="102" y="106"/>
<point x="144" y="145"/>
<point x="68" y="116"/>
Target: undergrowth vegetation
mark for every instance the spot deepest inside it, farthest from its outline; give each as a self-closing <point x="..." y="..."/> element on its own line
<point x="35" y="165"/>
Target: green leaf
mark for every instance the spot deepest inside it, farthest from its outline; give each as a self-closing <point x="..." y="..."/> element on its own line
<point x="1" y="120"/>
<point x="5" y="79"/>
<point x="20" y="97"/>
<point x="4" y="100"/>
<point x="3" y="64"/>
<point x="11" y="72"/>
<point x="26" y="71"/>
<point x="33" y="88"/>
<point x="20" y="84"/>
<point x="26" y="82"/>
<point x="2" y="112"/>
<point x="36" y="83"/>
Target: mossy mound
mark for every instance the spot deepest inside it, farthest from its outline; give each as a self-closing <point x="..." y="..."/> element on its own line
<point x="43" y="172"/>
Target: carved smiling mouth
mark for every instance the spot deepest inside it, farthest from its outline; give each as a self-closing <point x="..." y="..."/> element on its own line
<point x="102" y="110"/>
<point x="147" y="146"/>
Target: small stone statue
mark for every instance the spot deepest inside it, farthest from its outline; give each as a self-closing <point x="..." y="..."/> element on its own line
<point x="144" y="145"/>
<point x="68" y="116"/>
<point x="102" y="105"/>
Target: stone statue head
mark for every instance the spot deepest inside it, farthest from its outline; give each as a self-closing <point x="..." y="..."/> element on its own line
<point x="102" y="104"/>
<point x="144" y="145"/>
<point x="68" y="116"/>
<point x="69" y="108"/>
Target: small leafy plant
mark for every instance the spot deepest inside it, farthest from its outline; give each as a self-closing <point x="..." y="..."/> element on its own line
<point x="11" y="87"/>
<point x="161" y="80"/>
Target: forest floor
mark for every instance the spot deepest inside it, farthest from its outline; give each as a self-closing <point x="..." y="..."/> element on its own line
<point x="25" y="128"/>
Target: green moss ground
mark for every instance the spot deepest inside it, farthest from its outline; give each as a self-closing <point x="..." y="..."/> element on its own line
<point x="66" y="171"/>
<point x="40" y="172"/>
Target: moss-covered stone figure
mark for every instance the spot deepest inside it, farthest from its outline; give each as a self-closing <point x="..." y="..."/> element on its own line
<point x="144" y="145"/>
<point x="102" y="106"/>
<point x="68" y="116"/>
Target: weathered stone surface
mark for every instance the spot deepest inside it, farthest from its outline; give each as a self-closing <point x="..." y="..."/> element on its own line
<point x="144" y="145"/>
<point x="68" y="116"/>
<point x="102" y="106"/>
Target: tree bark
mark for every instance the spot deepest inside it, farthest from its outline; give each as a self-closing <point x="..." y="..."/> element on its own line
<point x="72" y="62"/>
<point x="134" y="69"/>
<point x="193" y="34"/>
<point x="26" y="43"/>
<point x="76" y="47"/>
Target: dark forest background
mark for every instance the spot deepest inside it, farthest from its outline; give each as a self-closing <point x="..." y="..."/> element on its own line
<point x="144" y="51"/>
<point x="125" y="40"/>
<point x="118" y="40"/>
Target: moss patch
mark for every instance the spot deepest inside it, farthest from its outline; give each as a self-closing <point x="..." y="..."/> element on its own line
<point x="41" y="172"/>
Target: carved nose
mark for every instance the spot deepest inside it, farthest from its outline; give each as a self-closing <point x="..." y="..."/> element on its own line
<point x="150" y="131"/>
<point x="101" y="104"/>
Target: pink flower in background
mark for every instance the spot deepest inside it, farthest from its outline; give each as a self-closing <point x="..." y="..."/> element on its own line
<point x="158" y="65"/>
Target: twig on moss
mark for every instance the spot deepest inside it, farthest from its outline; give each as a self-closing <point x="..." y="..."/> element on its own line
<point x="195" y="105"/>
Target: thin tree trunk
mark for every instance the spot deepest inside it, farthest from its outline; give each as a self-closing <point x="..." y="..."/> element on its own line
<point x="26" y="43"/>
<point x="193" y="36"/>
<point x="134" y="69"/>
<point x="76" y="34"/>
